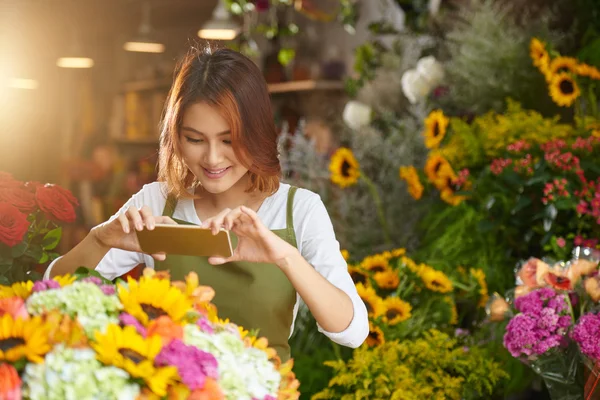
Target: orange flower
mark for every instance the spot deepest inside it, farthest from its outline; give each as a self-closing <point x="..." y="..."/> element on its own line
<point x="164" y="327"/>
<point x="592" y="287"/>
<point x="210" y="391"/>
<point x="178" y="392"/>
<point x="63" y="329"/>
<point x="533" y="273"/>
<point x="14" y="306"/>
<point x="497" y="308"/>
<point x="10" y="383"/>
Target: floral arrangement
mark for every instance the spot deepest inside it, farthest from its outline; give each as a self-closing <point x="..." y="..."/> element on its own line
<point x="30" y="218"/>
<point x="83" y="337"/>
<point x="554" y="314"/>
<point x="403" y="370"/>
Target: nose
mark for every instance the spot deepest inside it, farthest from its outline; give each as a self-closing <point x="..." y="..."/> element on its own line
<point x="213" y="155"/>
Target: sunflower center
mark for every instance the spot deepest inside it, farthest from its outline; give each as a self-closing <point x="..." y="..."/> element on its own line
<point x="358" y="278"/>
<point x="566" y="86"/>
<point x="345" y="169"/>
<point x="152" y="312"/>
<point x="436" y="129"/>
<point x="436" y="284"/>
<point x="393" y="313"/>
<point x="7" y="344"/>
<point x="437" y="166"/>
<point x="132" y="355"/>
<point x="377" y="268"/>
<point x="375" y="335"/>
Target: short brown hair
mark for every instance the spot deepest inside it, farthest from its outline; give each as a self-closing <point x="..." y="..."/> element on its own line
<point x="234" y="85"/>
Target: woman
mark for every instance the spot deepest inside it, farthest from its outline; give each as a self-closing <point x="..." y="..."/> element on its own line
<point x="219" y="168"/>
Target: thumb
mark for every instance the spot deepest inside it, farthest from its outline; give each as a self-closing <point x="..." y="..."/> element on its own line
<point x="222" y="260"/>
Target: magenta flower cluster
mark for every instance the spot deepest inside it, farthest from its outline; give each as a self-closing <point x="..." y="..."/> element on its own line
<point x="587" y="335"/>
<point x="541" y="324"/>
<point x="193" y="364"/>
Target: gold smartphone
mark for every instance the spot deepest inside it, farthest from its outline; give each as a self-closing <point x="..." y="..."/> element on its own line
<point x="187" y="240"/>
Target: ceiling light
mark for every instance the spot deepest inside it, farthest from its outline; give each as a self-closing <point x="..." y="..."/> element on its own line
<point x="143" y="42"/>
<point x="22" y="83"/>
<point x="75" y="62"/>
<point x="220" y="26"/>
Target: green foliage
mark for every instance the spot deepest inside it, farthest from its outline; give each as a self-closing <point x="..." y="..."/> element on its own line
<point x="435" y="366"/>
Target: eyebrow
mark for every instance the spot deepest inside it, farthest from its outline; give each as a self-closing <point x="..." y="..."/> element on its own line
<point x="187" y="128"/>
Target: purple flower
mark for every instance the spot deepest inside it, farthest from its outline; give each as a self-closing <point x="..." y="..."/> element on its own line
<point x="587" y="335"/>
<point x="521" y="335"/>
<point x="205" y="325"/>
<point x="129" y="320"/>
<point x="530" y="303"/>
<point x="193" y="364"/>
<point x="93" y="279"/>
<point x="108" y="290"/>
<point x="461" y="332"/>
<point x="261" y="5"/>
<point x="46" y="284"/>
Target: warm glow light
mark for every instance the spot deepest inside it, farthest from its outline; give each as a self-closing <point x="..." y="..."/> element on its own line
<point x="75" y="62"/>
<point x="218" y="34"/>
<point x="144" y="47"/>
<point x="20" y="83"/>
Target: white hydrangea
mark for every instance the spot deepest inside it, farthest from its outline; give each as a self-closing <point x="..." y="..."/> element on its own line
<point x="94" y="309"/>
<point x="417" y="83"/>
<point x="244" y="373"/>
<point x="75" y="374"/>
<point x="357" y="114"/>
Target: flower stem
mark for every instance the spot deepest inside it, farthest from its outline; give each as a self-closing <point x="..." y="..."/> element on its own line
<point x="378" y="207"/>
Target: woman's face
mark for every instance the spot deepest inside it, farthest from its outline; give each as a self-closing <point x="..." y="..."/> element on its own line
<point x="206" y="148"/>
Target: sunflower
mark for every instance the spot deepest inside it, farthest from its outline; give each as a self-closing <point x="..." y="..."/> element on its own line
<point x="433" y="165"/>
<point x="375" y="337"/>
<point x="345" y="254"/>
<point x="479" y="276"/>
<point x="399" y="252"/>
<point x="563" y="64"/>
<point x="375" y="263"/>
<point x="20" y="289"/>
<point x="563" y="89"/>
<point x="125" y="348"/>
<point x="588" y="71"/>
<point x="23" y="338"/>
<point x="410" y="264"/>
<point x="539" y="55"/>
<point x="358" y="275"/>
<point x="396" y="310"/>
<point x="388" y="280"/>
<point x="436" y="280"/>
<point x="453" y="313"/>
<point x="445" y="177"/>
<point x="344" y="168"/>
<point x="436" y="124"/>
<point x="410" y="175"/>
<point x="65" y="280"/>
<point x="448" y="196"/>
<point x="373" y="302"/>
<point x="149" y="298"/>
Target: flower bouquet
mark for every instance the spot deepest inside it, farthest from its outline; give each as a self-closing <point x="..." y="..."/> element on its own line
<point x="30" y="217"/>
<point x="552" y="306"/>
<point x="81" y="337"/>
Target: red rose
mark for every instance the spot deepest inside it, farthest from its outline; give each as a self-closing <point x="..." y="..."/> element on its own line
<point x="13" y="224"/>
<point x="56" y="202"/>
<point x="67" y="193"/>
<point x="18" y="196"/>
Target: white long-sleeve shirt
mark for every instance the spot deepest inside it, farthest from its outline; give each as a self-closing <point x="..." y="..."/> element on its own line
<point x="314" y="235"/>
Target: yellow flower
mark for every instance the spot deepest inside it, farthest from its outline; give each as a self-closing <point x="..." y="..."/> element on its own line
<point x="23" y="339"/>
<point x="374" y="303"/>
<point x="375" y="337"/>
<point x="358" y="275"/>
<point x="125" y="348"/>
<point x="539" y="55"/>
<point x="396" y="310"/>
<point x="410" y="175"/>
<point x="445" y="177"/>
<point x="375" y="263"/>
<point x="453" y="313"/>
<point x="344" y="168"/>
<point x="398" y="252"/>
<point x="387" y="280"/>
<point x="410" y="264"/>
<point x="386" y="254"/>
<point x="563" y="89"/>
<point x="149" y="298"/>
<point x="479" y="276"/>
<point x="19" y="289"/>
<point x="449" y="197"/>
<point x="65" y="280"/>
<point x="563" y="64"/>
<point x="345" y="254"/>
<point x="435" y="128"/>
<point x="436" y="280"/>
<point x="588" y="71"/>
<point x="433" y="165"/>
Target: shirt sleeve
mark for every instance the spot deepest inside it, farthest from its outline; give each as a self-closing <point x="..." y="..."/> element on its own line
<point x="118" y="262"/>
<point x="321" y="249"/>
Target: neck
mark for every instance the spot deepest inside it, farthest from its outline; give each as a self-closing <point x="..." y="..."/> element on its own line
<point x="234" y="197"/>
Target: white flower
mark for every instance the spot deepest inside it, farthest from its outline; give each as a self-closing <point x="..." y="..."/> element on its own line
<point x="431" y="69"/>
<point x="434" y="6"/>
<point x="357" y="114"/>
<point x="415" y="86"/>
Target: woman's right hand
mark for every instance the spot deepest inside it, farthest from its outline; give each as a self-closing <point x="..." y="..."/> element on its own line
<point x="120" y="233"/>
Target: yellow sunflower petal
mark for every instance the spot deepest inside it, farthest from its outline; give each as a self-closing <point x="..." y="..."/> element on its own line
<point x="411" y="176"/>
<point x="435" y="128"/>
<point x="563" y="89"/>
<point x="23" y="339"/>
<point x="396" y="311"/>
<point x="344" y="168"/>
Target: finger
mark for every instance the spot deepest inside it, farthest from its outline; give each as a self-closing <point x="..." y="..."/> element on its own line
<point x="124" y="223"/>
<point x="159" y="256"/>
<point x="165" y="220"/>
<point x="147" y="217"/>
<point x="252" y="215"/>
<point x="135" y="217"/>
<point x="222" y="260"/>
<point x="219" y="217"/>
<point x="231" y="218"/>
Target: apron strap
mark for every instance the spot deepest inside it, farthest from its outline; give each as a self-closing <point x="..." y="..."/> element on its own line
<point x="170" y="206"/>
<point x="290" y="215"/>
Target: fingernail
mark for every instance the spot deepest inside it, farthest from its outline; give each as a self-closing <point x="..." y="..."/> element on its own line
<point x="139" y="226"/>
<point x="150" y="225"/>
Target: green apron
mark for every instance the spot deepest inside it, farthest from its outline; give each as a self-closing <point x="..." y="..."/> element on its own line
<point x="252" y="295"/>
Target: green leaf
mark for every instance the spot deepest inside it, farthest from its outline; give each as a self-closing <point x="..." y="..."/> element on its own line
<point x="44" y="258"/>
<point x="486" y="226"/>
<point x="18" y="250"/>
<point x="523" y="202"/>
<point x="564" y="204"/>
<point x="538" y="179"/>
<point x="52" y="238"/>
<point x="83" y="272"/>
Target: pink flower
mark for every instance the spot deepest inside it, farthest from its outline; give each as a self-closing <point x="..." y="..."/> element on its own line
<point x="578" y="240"/>
<point x="10" y="383"/>
<point x="14" y="306"/>
<point x="193" y="364"/>
<point x="128" y="319"/>
<point x="561" y="242"/>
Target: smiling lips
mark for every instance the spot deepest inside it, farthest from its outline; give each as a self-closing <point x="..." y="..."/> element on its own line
<point x="215" y="173"/>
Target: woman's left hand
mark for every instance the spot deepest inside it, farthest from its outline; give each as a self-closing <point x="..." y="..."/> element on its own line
<point x="256" y="243"/>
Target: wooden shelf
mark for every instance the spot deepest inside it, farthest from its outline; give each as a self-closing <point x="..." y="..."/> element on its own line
<point x="303" y="86"/>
